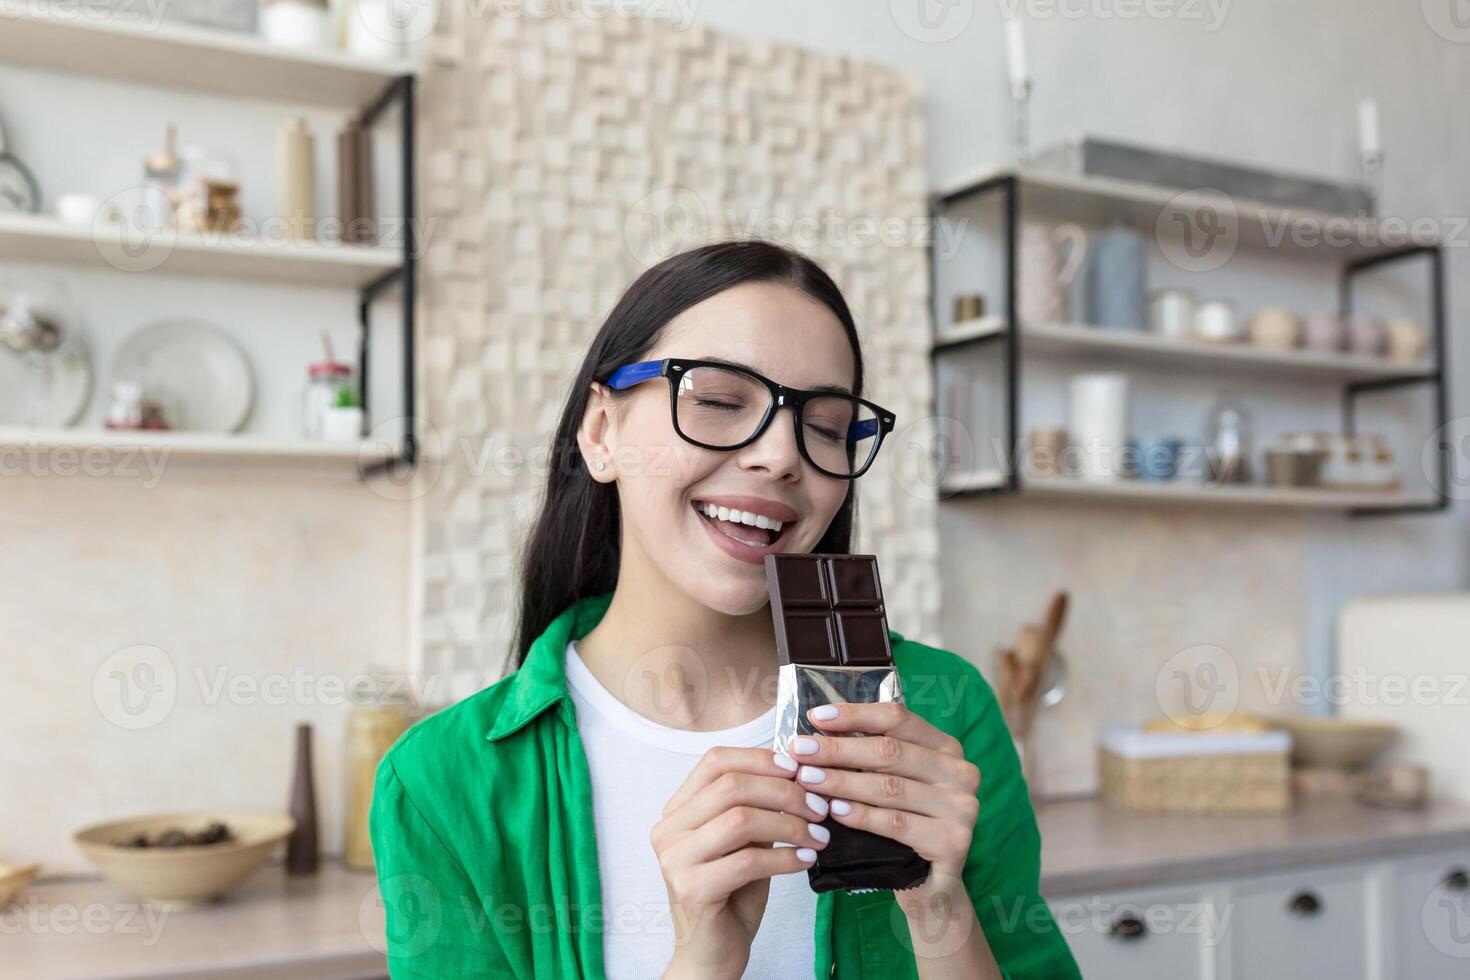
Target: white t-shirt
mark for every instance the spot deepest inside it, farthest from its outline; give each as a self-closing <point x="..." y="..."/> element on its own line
<point x="636" y="766"/>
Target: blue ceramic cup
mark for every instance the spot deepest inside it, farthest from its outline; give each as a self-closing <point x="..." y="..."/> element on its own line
<point x="1155" y="459"/>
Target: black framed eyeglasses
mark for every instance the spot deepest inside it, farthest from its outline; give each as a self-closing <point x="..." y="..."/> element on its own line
<point x="720" y="406"/>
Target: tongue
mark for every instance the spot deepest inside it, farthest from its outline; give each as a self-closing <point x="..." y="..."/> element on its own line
<point x="756" y="536"/>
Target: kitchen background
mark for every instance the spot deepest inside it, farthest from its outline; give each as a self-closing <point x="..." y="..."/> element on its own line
<point x="170" y="626"/>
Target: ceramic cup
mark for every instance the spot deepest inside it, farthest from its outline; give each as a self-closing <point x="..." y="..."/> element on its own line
<point x="1156" y="459"/>
<point x="1365" y="335"/>
<point x="1323" y="333"/>
<point x="1045" y="450"/>
<point x="1407" y="341"/>
<point x="77" y="209"/>
<point x="968" y="306"/>
<point x="1275" y="328"/>
<point x="1214" y="321"/>
<point x="1171" y="313"/>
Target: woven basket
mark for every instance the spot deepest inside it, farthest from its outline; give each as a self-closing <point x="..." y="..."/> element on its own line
<point x="1252" y="783"/>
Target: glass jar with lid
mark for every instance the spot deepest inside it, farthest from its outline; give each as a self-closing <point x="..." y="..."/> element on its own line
<point x="330" y="384"/>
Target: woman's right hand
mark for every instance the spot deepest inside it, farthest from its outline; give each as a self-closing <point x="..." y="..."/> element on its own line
<point x="714" y="848"/>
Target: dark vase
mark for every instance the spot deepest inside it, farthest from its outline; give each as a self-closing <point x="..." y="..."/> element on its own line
<point x="302" y="854"/>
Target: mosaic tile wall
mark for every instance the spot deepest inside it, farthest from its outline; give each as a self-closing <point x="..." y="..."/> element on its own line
<point x="559" y="158"/>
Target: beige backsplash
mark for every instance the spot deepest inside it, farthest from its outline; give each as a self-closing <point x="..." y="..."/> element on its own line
<point x="1144" y="587"/>
<point x="255" y="586"/>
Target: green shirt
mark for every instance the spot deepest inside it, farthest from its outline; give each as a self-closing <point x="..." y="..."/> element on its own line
<point x="486" y="848"/>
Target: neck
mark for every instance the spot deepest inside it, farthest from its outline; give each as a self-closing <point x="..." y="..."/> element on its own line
<point x="678" y="662"/>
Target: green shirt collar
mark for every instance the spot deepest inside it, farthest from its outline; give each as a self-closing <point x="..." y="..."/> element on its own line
<point x="541" y="681"/>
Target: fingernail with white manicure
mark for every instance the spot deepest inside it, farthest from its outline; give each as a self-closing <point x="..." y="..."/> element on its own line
<point x="785" y="762"/>
<point x="817" y="804"/>
<point x="841" y="807"/>
<point x="803" y="746"/>
<point x="811" y="774"/>
<point x="824" y="712"/>
<point x="806" y="855"/>
<point x="819" y="832"/>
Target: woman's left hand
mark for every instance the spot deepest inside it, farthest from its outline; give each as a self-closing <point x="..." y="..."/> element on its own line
<point x="917" y="788"/>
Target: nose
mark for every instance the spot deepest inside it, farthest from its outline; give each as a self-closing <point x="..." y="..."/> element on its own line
<point x="775" y="451"/>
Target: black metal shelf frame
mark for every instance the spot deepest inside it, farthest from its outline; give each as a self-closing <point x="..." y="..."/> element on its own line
<point x="401" y="92"/>
<point x="1008" y="187"/>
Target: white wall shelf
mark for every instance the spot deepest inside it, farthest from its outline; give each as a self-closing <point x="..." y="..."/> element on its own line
<point x="1185" y="492"/>
<point x="17" y="441"/>
<point x="1354" y="245"/>
<point x="184" y="57"/>
<point x="1136" y="347"/>
<point x="41" y="238"/>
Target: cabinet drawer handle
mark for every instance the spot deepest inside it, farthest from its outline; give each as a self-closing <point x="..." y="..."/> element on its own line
<point x="1128" y="927"/>
<point x="1305" y="903"/>
<point x="1457" y="880"/>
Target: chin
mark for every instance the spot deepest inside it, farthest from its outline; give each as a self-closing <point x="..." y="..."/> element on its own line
<point x="734" y="598"/>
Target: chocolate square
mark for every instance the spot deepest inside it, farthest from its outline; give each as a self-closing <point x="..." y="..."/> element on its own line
<point x="844" y="592"/>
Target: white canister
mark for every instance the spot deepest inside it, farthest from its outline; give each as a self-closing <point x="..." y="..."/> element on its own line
<point x="297" y="23"/>
<point x="1215" y="321"/>
<point x="1098" y="423"/>
<point x="1171" y="313"/>
<point x="375" y="29"/>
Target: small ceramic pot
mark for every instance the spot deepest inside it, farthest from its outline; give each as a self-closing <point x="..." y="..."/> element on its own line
<point x="1365" y="335"/>
<point x="1407" y="341"/>
<point x="1171" y="313"/>
<point x="1275" y="328"/>
<point x="1214" y="321"/>
<point x="1323" y="333"/>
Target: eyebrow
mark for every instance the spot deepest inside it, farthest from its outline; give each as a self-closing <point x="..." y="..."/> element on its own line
<point x="835" y="389"/>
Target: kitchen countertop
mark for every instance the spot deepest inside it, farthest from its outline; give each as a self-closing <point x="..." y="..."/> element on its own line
<point x="1089" y="846"/>
<point x="312" y="928"/>
<point x="330" y="926"/>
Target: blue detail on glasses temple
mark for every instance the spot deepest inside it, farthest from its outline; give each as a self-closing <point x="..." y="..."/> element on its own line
<point x="632" y="374"/>
<point x="862" y="429"/>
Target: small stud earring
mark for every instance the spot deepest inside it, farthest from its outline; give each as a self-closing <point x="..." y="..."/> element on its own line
<point x="600" y="465"/>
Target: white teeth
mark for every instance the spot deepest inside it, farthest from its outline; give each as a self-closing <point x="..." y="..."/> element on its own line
<point x="740" y="517"/>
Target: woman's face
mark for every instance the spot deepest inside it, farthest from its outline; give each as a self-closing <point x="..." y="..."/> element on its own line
<point x="666" y="486"/>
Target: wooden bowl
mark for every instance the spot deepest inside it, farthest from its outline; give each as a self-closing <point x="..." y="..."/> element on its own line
<point x="1338" y="743"/>
<point x="13" y="880"/>
<point x="178" y="877"/>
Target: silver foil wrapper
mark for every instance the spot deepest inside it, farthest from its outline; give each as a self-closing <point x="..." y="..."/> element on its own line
<point x="802" y="687"/>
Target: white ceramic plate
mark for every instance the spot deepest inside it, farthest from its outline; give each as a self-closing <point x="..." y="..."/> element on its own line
<point x="202" y="376"/>
<point x="52" y="392"/>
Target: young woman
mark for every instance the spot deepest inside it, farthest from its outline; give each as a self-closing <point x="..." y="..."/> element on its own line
<point x="613" y="807"/>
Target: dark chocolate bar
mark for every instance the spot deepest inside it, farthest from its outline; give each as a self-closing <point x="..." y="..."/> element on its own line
<point x="832" y="640"/>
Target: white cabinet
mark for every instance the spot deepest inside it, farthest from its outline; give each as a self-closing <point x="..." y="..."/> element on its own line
<point x="1430" y="906"/>
<point x="1401" y="918"/>
<point x="1312" y="923"/>
<point x="1140" y="933"/>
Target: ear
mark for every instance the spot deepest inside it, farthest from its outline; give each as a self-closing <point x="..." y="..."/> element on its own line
<point x="596" y="433"/>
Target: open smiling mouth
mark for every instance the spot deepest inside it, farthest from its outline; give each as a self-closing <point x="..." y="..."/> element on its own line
<point x="746" y="527"/>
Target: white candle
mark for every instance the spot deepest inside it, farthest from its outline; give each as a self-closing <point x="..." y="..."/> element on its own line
<point x="1368" y="127"/>
<point x="1016" y="52"/>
